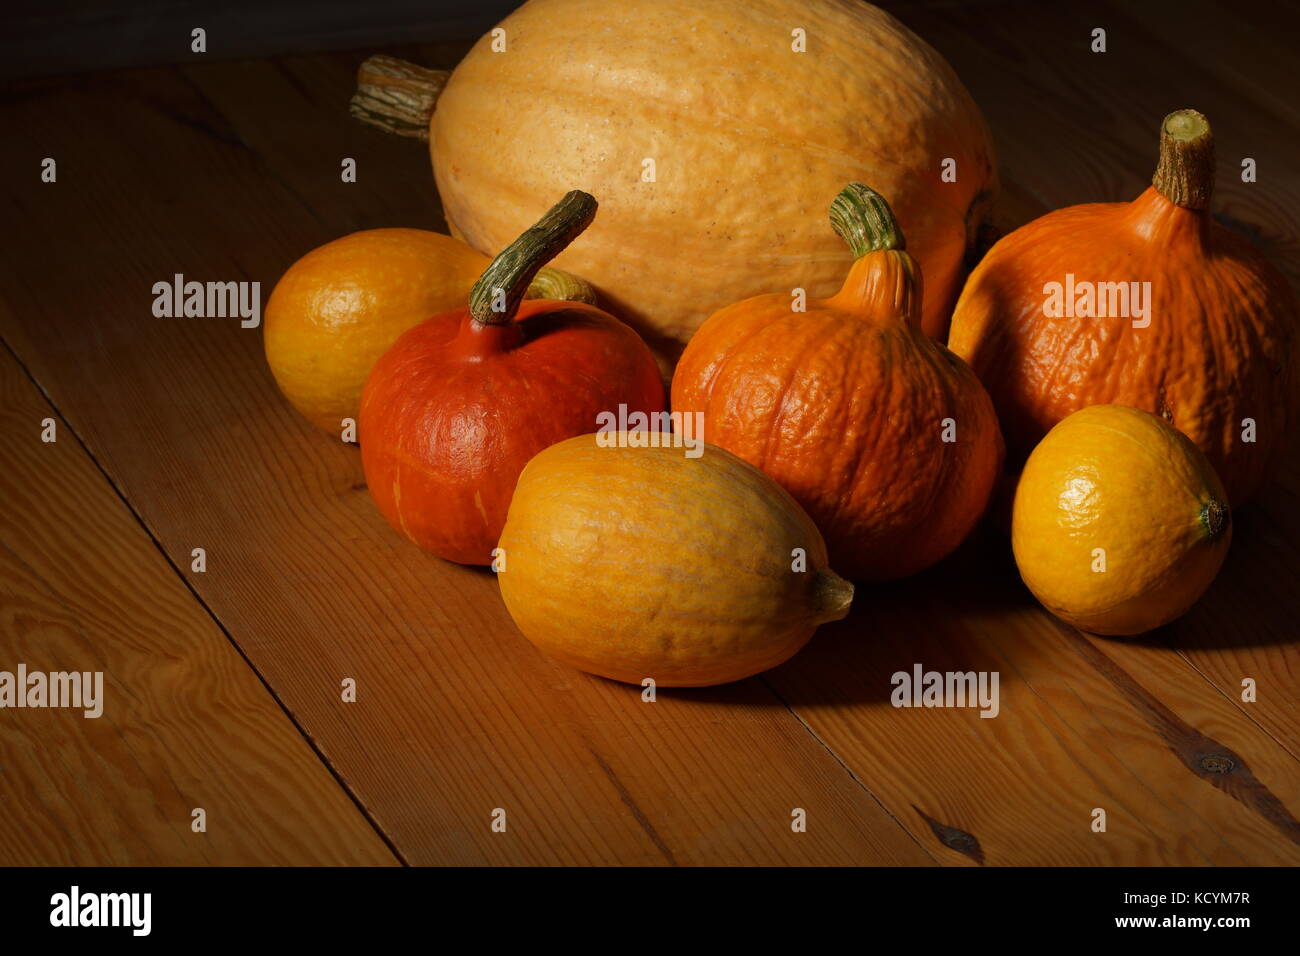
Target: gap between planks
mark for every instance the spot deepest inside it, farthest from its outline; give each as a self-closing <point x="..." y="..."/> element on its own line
<point x="139" y="520"/>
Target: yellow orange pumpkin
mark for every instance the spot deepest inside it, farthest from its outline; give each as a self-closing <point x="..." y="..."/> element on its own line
<point x="1119" y="523"/>
<point x="640" y="562"/>
<point x="338" y="308"/>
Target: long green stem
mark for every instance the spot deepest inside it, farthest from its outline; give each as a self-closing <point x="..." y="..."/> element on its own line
<point x="496" y="296"/>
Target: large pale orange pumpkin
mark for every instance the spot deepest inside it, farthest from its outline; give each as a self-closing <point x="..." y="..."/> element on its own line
<point x="883" y="435"/>
<point x="1213" y="350"/>
<point x="710" y="129"/>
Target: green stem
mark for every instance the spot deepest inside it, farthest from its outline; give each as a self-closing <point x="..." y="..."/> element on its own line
<point x="1185" y="173"/>
<point x="496" y="296"/>
<point x="863" y="219"/>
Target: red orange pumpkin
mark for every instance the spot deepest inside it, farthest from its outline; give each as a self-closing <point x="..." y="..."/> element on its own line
<point x="455" y="409"/>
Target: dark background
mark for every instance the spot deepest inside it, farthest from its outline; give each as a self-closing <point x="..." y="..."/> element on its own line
<point x="54" y="38"/>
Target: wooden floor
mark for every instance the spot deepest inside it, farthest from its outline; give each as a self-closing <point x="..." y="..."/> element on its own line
<point x="223" y="686"/>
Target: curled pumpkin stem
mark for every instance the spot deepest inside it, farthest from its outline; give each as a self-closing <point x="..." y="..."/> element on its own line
<point x="495" y="298"/>
<point x="862" y="218"/>
<point x="550" y="283"/>
<point x="1185" y="173"/>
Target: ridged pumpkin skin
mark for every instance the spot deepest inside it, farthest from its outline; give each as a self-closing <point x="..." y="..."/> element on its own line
<point x="640" y="562"/>
<point x="845" y="406"/>
<point x="339" y="307"/>
<point x="1121" y="480"/>
<point x="456" y="408"/>
<point x="745" y="133"/>
<point x="1221" y="345"/>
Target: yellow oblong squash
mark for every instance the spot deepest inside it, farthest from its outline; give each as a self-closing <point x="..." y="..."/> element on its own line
<point x="636" y="562"/>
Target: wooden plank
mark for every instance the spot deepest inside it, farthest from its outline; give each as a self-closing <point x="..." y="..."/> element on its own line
<point x="1063" y="115"/>
<point x="1074" y="126"/>
<point x="185" y="723"/>
<point x="1075" y="731"/>
<point x="1186" y="774"/>
<point x="456" y="715"/>
<point x="292" y="112"/>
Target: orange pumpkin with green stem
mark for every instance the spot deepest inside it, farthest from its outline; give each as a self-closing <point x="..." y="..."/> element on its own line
<point x="460" y="403"/>
<point x="1215" y="354"/>
<point x="339" y="307"/>
<point x="886" y="438"/>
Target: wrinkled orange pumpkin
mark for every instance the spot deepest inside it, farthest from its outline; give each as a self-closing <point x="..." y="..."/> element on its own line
<point x="733" y="117"/>
<point x="460" y="403"/>
<point x="884" y="436"/>
<point x="1214" y="355"/>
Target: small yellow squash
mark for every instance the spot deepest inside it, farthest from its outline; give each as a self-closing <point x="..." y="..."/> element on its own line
<point x="1119" y="523"/>
<point x="641" y="562"/>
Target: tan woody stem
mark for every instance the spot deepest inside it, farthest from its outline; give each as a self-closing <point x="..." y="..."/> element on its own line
<point x="397" y="96"/>
<point x="1185" y="175"/>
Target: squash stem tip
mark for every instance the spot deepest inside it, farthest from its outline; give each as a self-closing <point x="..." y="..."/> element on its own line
<point x="1185" y="172"/>
<point x="862" y="218"/>
<point x="552" y="283"/>
<point x="832" y="596"/>
<point x="1214" y="517"/>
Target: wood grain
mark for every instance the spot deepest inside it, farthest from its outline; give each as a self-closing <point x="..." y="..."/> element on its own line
<point x="230" y="171"/>
<point x="185" y="723"/>
<point x="456" y="714"/>
<point x="1077" y="730"/>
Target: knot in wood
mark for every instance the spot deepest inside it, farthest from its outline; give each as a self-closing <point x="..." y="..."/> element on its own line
<point x="1218" y="763"/>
